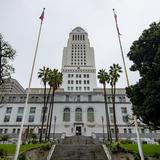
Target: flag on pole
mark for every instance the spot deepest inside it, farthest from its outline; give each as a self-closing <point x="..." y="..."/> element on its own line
<point x="115" y="17"/>
<point x="42" y="15"/>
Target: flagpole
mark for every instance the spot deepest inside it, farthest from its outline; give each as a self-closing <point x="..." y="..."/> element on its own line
<point x="28" y="91"/>
<point x="127" y="79"/>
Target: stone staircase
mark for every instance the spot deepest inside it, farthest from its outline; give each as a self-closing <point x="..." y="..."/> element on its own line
<point x="78" y="148"/>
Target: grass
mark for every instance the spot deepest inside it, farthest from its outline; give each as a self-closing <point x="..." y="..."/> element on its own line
<point x="11" y="148"/>
<point x="148" y="149"/>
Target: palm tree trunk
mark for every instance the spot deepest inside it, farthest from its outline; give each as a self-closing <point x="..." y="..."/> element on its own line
<point x="113" y="89"/>
<point x="107" y="115"/>
<point x="48" y="118"/>
<point x="50" y="123"/>
<point x="44" y="113"/>
<point x="48" y="95"/>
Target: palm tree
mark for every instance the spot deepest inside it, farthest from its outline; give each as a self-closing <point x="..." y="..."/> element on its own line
<point x="103" y="79"/>
<point x="43" y="75"/>
<point x="114" y="75"/>
<point x="55" y="80"/>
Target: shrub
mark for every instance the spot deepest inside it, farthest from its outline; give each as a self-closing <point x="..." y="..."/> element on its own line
<point x="126" y="141"/>
<point x="3" y="153"/>
<point x="21" y="156"/>
<point x="46" y="147"/>
<point x="156" y="155"/>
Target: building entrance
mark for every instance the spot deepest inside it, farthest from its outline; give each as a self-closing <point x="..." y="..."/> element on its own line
<point x="78" y="130"/>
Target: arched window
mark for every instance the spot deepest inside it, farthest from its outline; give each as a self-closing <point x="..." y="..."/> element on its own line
<point x="90" y="115"/>
<point x="78" y="115"/>
<point x="66" y="115"/>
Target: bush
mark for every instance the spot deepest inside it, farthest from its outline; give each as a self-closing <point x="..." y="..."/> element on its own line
<point x="126" y="141"/>
<point x="46" y="147"/>
<point x="21" y="156"/>
<point x="156" y="155"/>
<point x="3" y="153"/>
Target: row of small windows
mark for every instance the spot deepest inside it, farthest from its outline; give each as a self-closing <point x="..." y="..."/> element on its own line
<point x="78" y="37"/>
<point x="121" y="99"/>
<point x="78" y="50"/>
<point x="78" y="63"/>
<point x="77" y="98"/>
<point x="123" y="110"/>
<point x="20" y="110"/>
<point x="78" y="45"/>
<point x="78" y="82"/>
<point x="78" y="88"/>
<point x="22" y="99"/>
<point x="78" y="114"/>
<point x="125" y="130"/>
<point x="78" y="75"/>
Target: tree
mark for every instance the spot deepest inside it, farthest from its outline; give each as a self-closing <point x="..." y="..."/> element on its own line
<point x="43" y="75"/>
<point x="55" y="80"/>
<point x="103" y="79"/>
<point x="145" y="95"/>
<point x="7" y="53"/>
<point x="114" y="75"/>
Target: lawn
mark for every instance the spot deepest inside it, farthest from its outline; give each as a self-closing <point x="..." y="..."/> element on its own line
<point x="11" y="148"/>
<point x="148" y="149"/>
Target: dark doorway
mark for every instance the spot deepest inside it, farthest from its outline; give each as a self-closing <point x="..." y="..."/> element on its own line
<point x="78" y="130"/>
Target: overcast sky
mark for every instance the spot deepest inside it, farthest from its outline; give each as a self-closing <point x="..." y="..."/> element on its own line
<point x="19" y="24"/>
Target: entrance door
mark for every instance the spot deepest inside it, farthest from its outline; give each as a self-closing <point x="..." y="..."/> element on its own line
<point x="78" y="130"/>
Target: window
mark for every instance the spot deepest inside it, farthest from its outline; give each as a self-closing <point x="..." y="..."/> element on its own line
<point x="67" y="98"/>
<point x="66" y="115"/>
<point x="129" y="130"/>
<point x="124" y="109"/>
<point x="68" y="75"/>
<point x="142" y="130"/>
<point x="20" y="110"/>
<point x="1" y="131"/>
<point x="125" y="130"/>
<point x="68" y="81"/>
<point x="88" y="88"/>
<point x="78" y="115"/>
<point x="44" y="109"/>
<point x="14" y="131"/>
<point x="87" y="75"/>
<point x="90" y="115"/>
<point x="5" y="131"/>
<point x="6" y="118"/>
<point x="19" y="118"/>
<point x="89" y="98"/>
<point x="8" y="109"/>
<point x="112" y="130"/>
<point x="18" y="130"/>
<point x="122" y="99"/>
<point x="68" y="88"/>
<point x="76" y="81"/>
<point x="33" y="110"/>
<point x="125" y="119"/>
<point x="84" y="81"/>
<point x="111" y="118"/>
<point x="84" y="74"/>
<point x="78" y="98"/>
<point x="111" y="109"/>
<point x="87" y="81"/>
<point x="31" y="118"/>
<point x="79" y="81"/>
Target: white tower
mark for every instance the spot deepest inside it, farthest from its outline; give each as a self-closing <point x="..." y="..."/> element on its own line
<point x="78" y="64"/>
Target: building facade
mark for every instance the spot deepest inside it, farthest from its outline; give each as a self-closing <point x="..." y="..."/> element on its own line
<point x="79" y="105"/>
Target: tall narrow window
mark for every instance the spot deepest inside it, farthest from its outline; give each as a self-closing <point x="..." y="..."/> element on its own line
<point x="90" y="115"/>
<point x="78" y="115"/>
<point x="66" y="115"/>
<point x="73" y="38"/>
